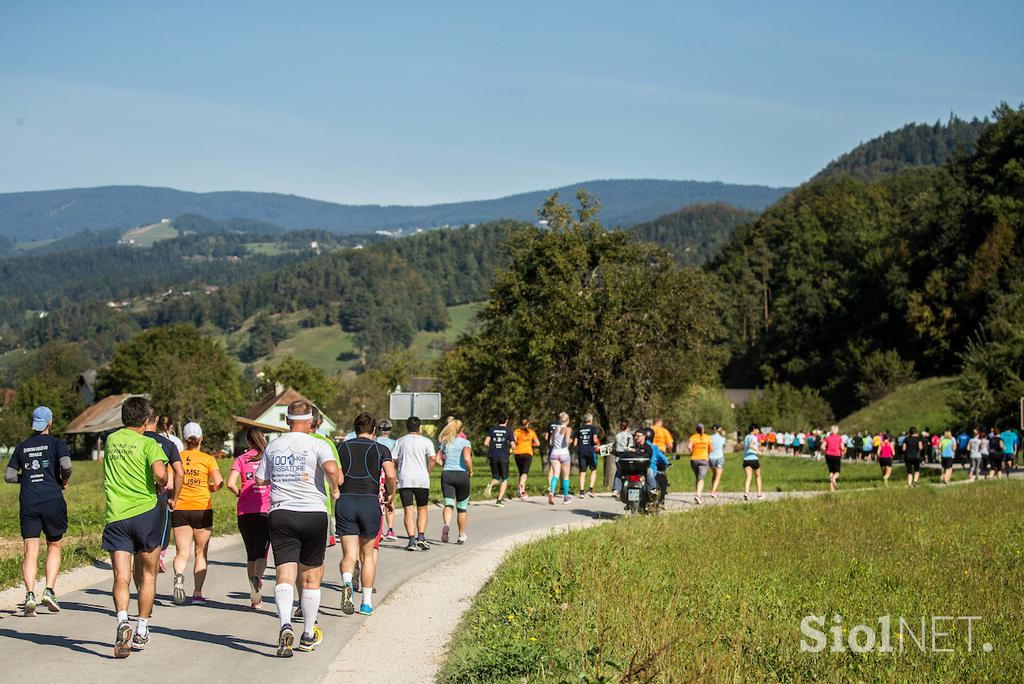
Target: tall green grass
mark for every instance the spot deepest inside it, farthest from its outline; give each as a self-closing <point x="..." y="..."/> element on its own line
<point x="719" y="594"/>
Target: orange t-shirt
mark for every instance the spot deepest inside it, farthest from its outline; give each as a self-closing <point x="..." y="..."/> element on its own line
<point x="525" y="441"/>
<point x="195" y="490"/>
<point x="662" y="437"/>
<point x="700" y="446"/>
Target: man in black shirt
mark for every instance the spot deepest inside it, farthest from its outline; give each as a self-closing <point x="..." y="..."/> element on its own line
<point x="364" y="462"/>
<point x="164" y="495"/>
<point x="497" y="442"/>
<point x="42" y="465"/>
<point x="913" y="447"/>
<point x="586" y="452"/>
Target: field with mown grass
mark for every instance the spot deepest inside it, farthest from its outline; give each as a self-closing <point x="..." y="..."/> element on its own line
<point x="718" y="594"/>
<point x="921" y="404"/>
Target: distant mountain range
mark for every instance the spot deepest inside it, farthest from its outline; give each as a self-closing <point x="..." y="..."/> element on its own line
<point x="50" y="214"/>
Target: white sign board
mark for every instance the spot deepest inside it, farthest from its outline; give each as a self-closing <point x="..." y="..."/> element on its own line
<point x="423" y="405"/>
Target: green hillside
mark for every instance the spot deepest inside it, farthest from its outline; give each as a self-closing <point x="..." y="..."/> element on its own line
<point x="693" y="234"/>
<point x="921" y="404"/>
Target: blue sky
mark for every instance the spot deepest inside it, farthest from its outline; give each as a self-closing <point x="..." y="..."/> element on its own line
<point x="416" y="102"/>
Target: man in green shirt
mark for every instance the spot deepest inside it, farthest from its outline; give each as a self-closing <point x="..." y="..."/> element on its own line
<point x="134" y="466"/>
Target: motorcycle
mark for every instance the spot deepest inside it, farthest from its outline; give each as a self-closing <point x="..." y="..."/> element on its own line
<point x="634" y="492"/>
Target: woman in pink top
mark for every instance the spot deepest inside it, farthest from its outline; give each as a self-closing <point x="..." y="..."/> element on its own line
<point x="253" y="509"/>
<point x="833" y="456"/>
<point x="885" y="454"/>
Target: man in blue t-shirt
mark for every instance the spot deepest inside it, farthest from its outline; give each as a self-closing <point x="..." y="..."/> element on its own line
<point x="1010" y="443"/>
<point x="497" y="442"/>
<point x="42" y="466"/>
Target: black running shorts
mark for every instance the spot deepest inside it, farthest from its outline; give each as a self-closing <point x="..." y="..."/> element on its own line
<point x="357" y="515"/>
<point x="586" y="459"/>
<point x="418" y="495"/>
<point x="753" y="464"/>
<point x="255" y="531"/>
<point x="834" y="463"/>
<point x="884" y="462"/>
<point x="197" y="520"/>
<point x="523" y="463"/>
<point x="913" y="465"/>
<point x="298" y="537"/>
<point x="50" y="517"/>
<point x="499" y="468"/>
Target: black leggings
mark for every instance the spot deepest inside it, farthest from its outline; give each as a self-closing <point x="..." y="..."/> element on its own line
<point x="455" y="488"/>
<point x="255" y="531"/>
<point x="523" y="462"/>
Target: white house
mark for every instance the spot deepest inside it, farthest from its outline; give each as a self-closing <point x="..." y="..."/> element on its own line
<point x="270" y="413"/>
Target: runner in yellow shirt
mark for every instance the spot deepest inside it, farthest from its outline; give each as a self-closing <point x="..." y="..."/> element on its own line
<point x="192" y="517"/>
<point x="699" y="447"/>
<point x="663" y="439"/>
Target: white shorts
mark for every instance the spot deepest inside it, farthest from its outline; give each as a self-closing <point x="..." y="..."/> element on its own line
<point x="560" y="456"/>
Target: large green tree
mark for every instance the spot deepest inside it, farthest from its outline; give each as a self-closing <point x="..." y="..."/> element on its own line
<point x="47" y="377"/>
<point x="308" y="380"/>
<point x="189" y="375"/>
<point x="584" y="319"/>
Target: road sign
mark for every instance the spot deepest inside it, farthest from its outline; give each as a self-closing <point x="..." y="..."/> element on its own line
<point x="423" y="405"/>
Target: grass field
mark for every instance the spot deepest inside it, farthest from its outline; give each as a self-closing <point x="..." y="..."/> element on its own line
<point x="85" y="499"/>
<point x="319" y="347"/>
<point x="147" y="236"/>
<point x="719" y="594"/>
<point x="430" y="346"/>
<point x="25" y="247"/>
<point x="920" y="404"/>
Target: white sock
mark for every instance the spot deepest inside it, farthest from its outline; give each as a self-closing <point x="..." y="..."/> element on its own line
<point x="346" y="578"/>
<point x="310" y="603"/>
<point x="143" y="627"/>
<point x="122" y="616"/>
<point x="368" y="595"/>
<point x="284" y="596"/>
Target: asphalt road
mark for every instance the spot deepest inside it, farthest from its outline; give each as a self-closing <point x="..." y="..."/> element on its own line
<point x="225" y="638"/>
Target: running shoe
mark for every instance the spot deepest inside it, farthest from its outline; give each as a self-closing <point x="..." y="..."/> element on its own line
<point x="444" y="534"/>
<point x="580" y="494"/>
<point x="308" y="643"/>
<point x="285" y="640"/>
<point x="140" y="642"/>
<point x="714" y="495"/>
<point x="391" y="536"/>
<point x="746" y="497"/>
<point x="499" y="503"/>
<point x="487" y="492"/>
<point x="590" y="492"/>
<point x="179" y="589"/>
<point x="366" y="609"/>
<point x="461" y="539"/>
<point x="50" y="601"/>
<point x="522" y="492"/>
<point x="566" y="499"/>
<point x="255" y="591"/>
<point x="347" y="607"/>
<point x="423" y="543"/>
<point x="198" y="600"/>
<point x="411" y="546"/>
<point x="760" y="496"/>
<point x="30" y="604"/>
<point x="123" y="642"/>
<point x="551" y="498"/>
<point x="297" y="616"/>
<point x="696" y="500"/>
<point x="357" y="577"/>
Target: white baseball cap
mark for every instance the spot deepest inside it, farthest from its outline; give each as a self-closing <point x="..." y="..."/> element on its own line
<point x="191" y="430"/>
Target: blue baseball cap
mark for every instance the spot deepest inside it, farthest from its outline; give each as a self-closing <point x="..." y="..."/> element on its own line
<point x="41" y="418"/>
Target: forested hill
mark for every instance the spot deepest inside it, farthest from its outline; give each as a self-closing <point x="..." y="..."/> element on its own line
<point x="911" y="145"/>
<point x="50" y="214"/>
<point x="694" y="234"/>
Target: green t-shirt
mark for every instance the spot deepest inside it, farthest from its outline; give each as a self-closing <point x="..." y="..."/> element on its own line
<point x="128" y="474"/>
<point x="337" y="459"/>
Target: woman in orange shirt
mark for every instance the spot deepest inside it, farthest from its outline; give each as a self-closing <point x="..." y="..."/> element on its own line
<point x="525" y="440"/>
<point x="192" y="517"/>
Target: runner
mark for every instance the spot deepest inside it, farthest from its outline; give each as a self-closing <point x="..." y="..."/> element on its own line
<point x="947" y="448"/>
<point x="525" y="442"/>
<point x="662" y="438"/>
<point x="456" y="453"/>
<point x="42" y="465"/>
<point x="359" y="509"/>
<point x="414" y="460"/>
<point x="318" y="422"/>
<point x="497" y="442"/>
<point x="974" y="449"/>
<point x="716" y="459"/>
<point x="866" y="446"/>
<point x="192" y="518"/>
<point x="1010" y="444"/>
<point x="699" y="447"/>
<point x="175" y="478"/>
<point x="295" y="466"/>
<point x="134" y="467"/>
<point x="253" y="510"/>
<point x="962" y="452"/>
<point x="384" y="437"/>
<point x="913" y="448"/>
<point x="983" y="448"/>
<point x="622" y="446"/>
<point x="587" y="442"/>
<point x="165" y="428"/>
<point x="833" y="445"/>
<point x="561" y="462"/>
<point x="995" y="453"/>
<point x="885" y="455"/>
<point x="751" y="461"/>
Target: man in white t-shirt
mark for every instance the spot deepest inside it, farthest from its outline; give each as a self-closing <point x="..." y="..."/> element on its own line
<point x="296" y="466"/>
<point x="413" y="455"/>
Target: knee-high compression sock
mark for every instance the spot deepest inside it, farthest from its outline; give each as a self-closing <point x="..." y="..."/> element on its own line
<point x="565" y="487"/>
<point x="310" y="602"/>
<point x="554" y="485"/>
<point x="284" y="596"/>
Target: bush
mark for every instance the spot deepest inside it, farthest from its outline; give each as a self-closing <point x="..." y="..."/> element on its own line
<point x="880" y="373"/>
<point x="698" y="404"/>
<point x="785" y="407"/>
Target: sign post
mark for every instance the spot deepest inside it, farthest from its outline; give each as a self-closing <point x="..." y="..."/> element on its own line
<point x="423" y="405"/>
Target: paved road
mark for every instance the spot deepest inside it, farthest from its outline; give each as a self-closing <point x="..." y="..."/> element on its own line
<point x="225" y="638"/>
